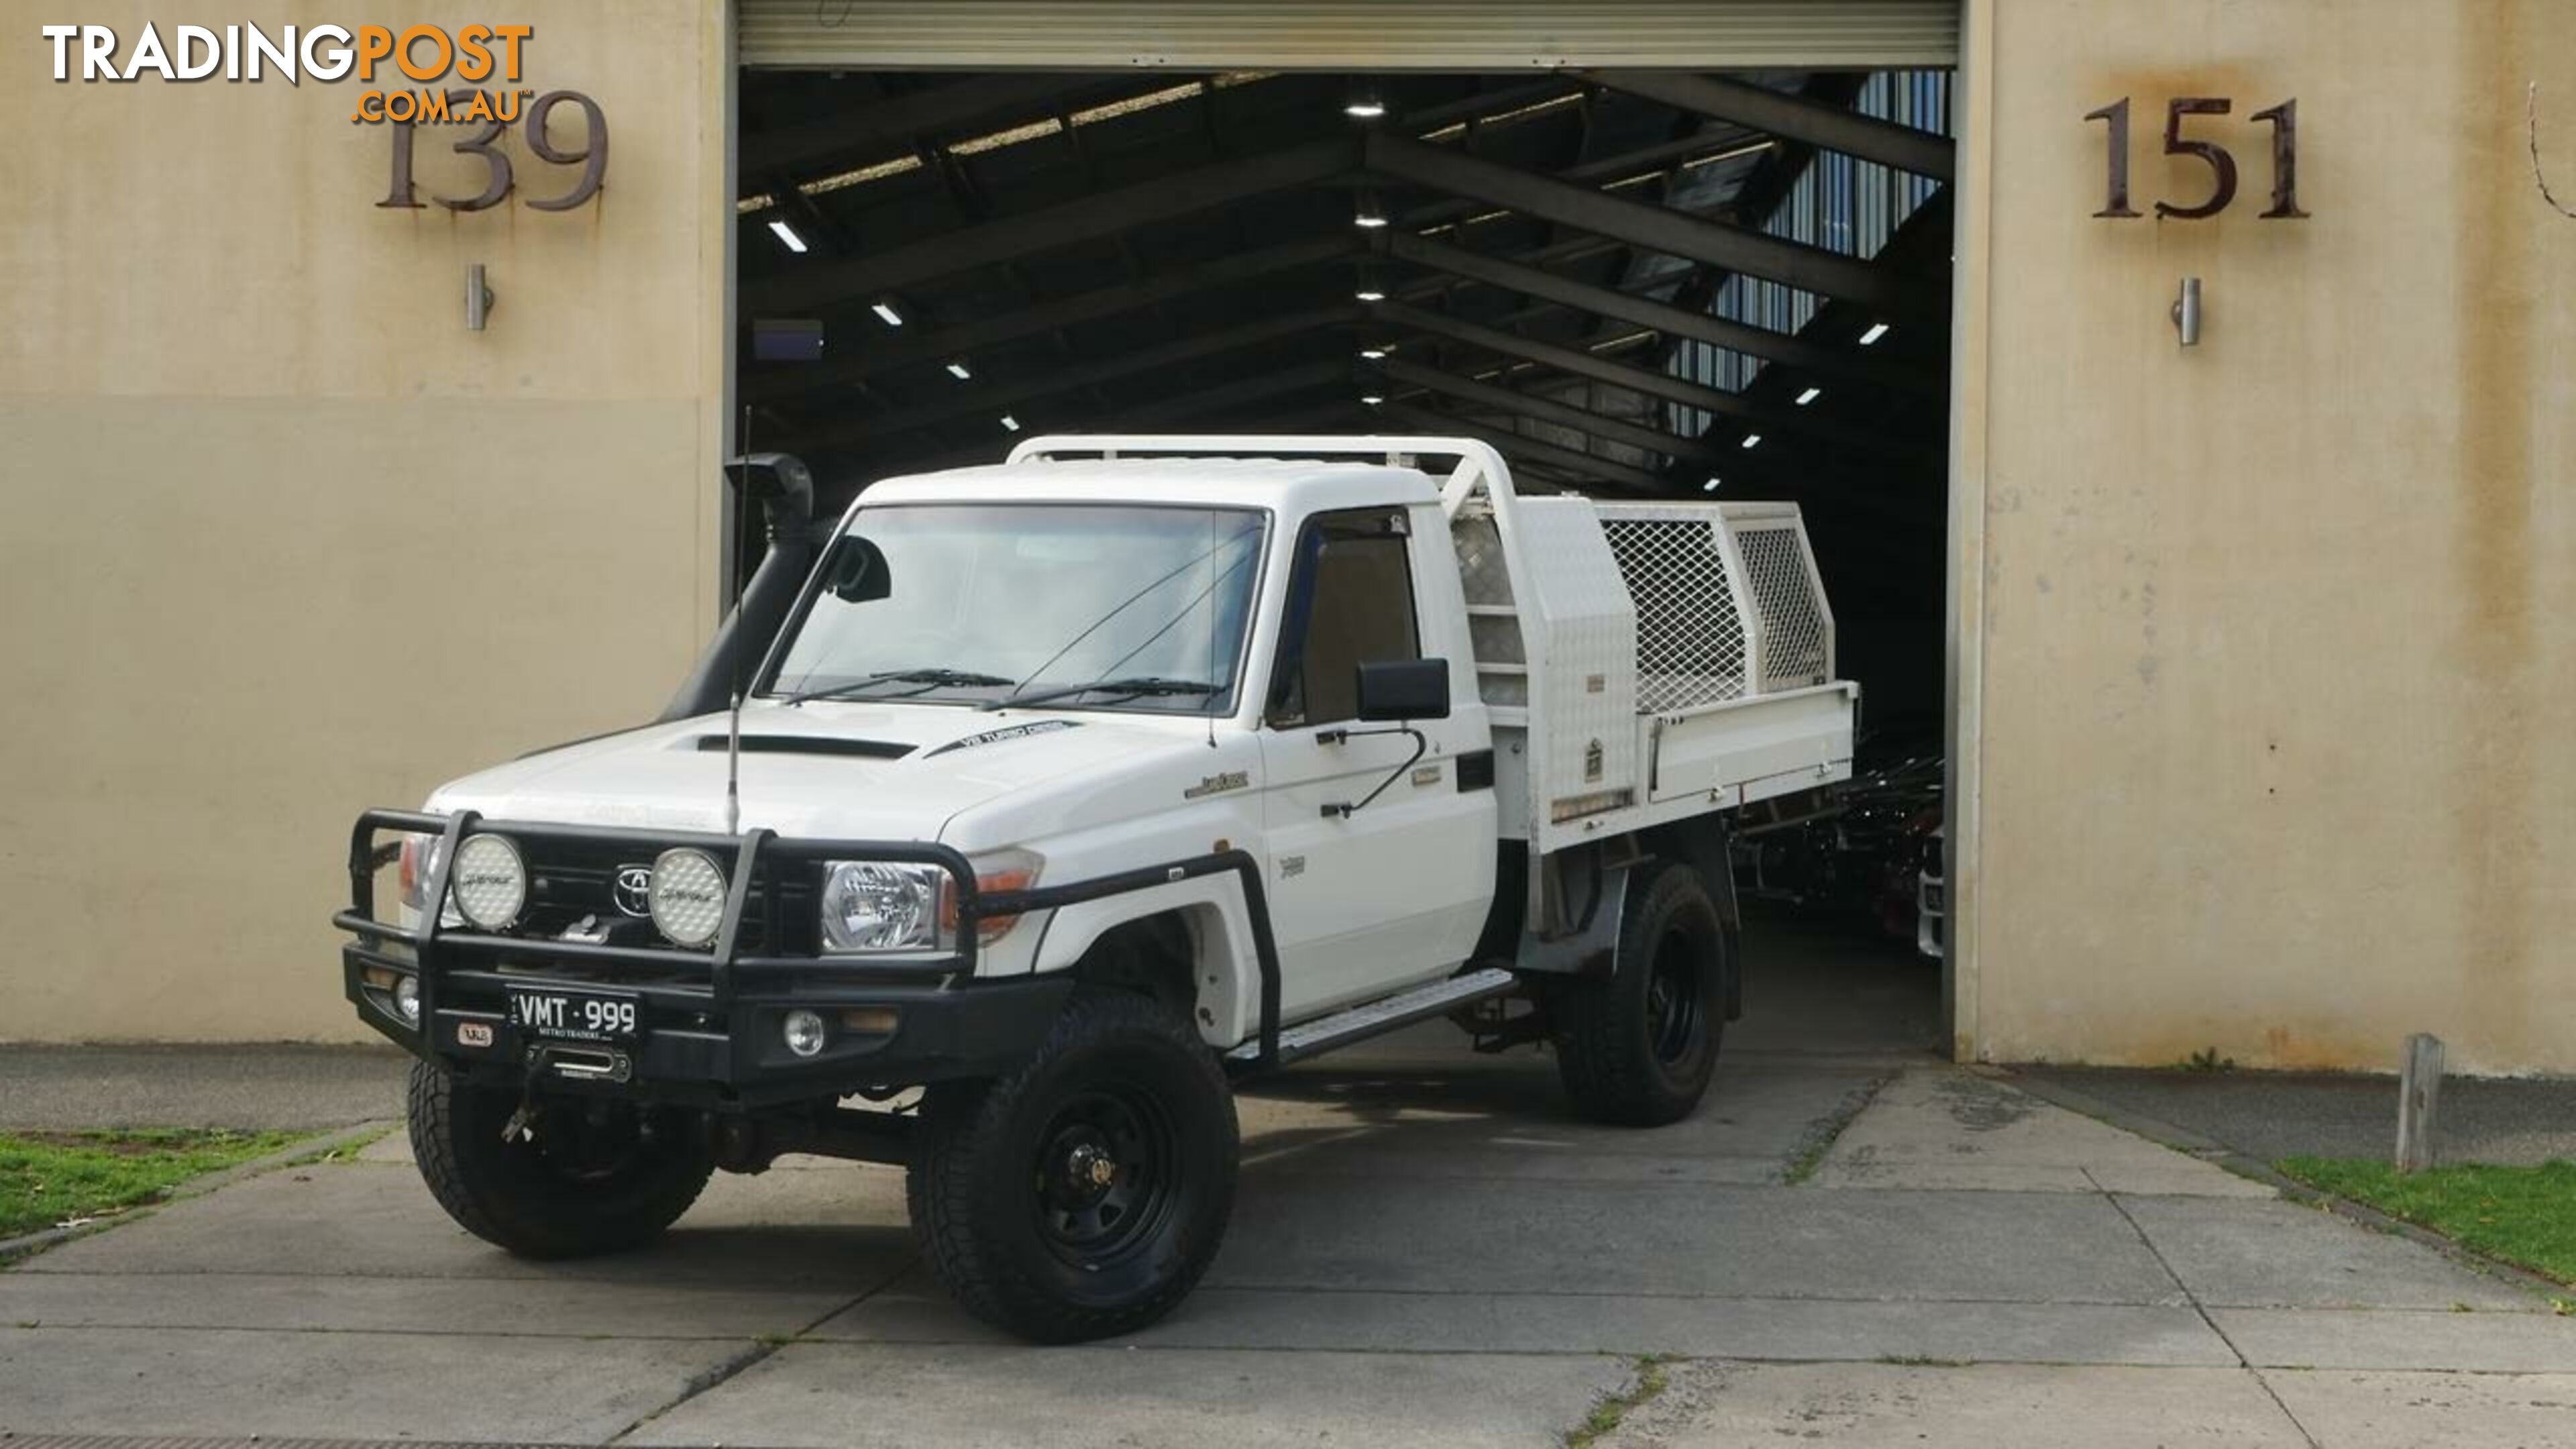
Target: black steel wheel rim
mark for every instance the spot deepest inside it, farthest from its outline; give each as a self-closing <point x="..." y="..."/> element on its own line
<point x="1105" y="1176"/>
<point x="1673" y="1005"/>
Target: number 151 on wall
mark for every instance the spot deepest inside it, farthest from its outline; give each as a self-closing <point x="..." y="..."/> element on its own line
<point x="2283" y="118"/>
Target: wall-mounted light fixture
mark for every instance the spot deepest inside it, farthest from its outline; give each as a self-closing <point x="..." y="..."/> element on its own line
<point x="478" y="298"/>
<point x="2186" y="312"/>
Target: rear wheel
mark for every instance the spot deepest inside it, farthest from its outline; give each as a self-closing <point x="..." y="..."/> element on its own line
<point x="583" y="1176"/>
<point x="1085" y="1194"/>
<point x="1638" y="1046"/>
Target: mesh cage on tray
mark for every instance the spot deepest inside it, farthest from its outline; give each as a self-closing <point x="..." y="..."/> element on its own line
<point x="1690" y="644"/>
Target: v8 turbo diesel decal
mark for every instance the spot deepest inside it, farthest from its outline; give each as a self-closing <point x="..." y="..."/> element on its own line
<point x="990" y="737"/>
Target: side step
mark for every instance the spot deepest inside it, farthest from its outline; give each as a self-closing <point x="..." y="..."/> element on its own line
<point x="1385" y="1014"/>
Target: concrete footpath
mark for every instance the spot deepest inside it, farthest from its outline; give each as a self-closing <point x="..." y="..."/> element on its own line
<point x="1426" y="1251"/>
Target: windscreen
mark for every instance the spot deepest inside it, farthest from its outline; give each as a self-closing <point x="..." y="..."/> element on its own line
<point x="980" y="602"/>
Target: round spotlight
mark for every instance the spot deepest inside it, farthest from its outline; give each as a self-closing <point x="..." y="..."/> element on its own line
<point x="490" y="882"/>
<point x="802" y="1030"/>
<point x="407" y="998"/>
<point x="688" y="896"/>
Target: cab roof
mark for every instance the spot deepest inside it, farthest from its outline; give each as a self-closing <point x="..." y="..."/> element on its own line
<point x="1284" y="485"/>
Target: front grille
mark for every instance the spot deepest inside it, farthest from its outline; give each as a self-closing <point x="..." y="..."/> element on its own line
<point x="570" y="882"/>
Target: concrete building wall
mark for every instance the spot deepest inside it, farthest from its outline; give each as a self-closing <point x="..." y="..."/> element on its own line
<point x="279" y="537"/>
<point x="2278" y="633"/>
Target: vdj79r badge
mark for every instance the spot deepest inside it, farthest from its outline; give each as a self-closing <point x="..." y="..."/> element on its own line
<point x="633" y="890"/>
<point x="473" y="1034"/>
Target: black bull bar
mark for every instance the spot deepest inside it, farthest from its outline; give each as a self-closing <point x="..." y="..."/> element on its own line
<point x="718" y="994"/>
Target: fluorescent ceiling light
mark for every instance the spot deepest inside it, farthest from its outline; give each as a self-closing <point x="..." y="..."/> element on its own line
<point x="1369" y="294"/>
<point x="1876" y="331"/>
<point x="1708" y="487"/>
<point x="1373" y="354"/>
<point x="1369" y="219"/>
<point x="1752" y="438"/>
<point x="1010" y="422"/>
<point x="958" y="371"/>
<point x="787" y="236"/>
<point x="1810" y="395"/>
<point x="887" y="314"/>
<point x="1372" y="399"/>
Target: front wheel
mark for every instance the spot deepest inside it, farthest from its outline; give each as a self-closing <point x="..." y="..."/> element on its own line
<point x="1638" y="1046"/>
<point x="1083" y="1195"/>
<point x="579" y="1176"/>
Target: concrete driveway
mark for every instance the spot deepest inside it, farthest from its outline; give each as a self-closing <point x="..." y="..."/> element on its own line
<point x="1426" y="1251"/>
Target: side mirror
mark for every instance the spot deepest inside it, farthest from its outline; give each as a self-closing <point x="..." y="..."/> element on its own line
<point x="1403" y="689"/>
<point x="859" y="572"/>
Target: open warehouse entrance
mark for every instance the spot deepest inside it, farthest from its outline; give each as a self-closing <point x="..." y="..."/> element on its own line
<point x="1702" y="280"/>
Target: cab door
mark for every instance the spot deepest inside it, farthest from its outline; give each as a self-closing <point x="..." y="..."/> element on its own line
<point x="1394" y="892"/>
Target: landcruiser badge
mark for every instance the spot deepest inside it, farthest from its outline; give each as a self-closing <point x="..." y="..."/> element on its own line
<point x="1218" y="784"/>
<point x="633" y="890"/>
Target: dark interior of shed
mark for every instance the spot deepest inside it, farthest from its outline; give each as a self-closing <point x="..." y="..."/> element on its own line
<point x="1642" y="284"/>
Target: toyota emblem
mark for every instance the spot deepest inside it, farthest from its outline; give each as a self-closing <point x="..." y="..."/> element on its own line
<point x="634" y="889"/>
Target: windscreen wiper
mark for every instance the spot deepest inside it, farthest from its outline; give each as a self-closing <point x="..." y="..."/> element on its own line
<point x="953" y="678"/>
<point x="1131" y="685"/>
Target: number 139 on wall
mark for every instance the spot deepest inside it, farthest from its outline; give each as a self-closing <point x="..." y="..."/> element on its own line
<point x="2283" y="118"/>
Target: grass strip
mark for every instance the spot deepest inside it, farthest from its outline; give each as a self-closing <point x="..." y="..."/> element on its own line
<point x="2523" y="1215"/>
<point x="52" y="1178"/>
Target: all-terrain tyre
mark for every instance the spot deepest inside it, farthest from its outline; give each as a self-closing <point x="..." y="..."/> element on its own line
<point x="598" y="1176"/>
<point x="1637" y="1047"/>
<point x="1083" y="1195"/>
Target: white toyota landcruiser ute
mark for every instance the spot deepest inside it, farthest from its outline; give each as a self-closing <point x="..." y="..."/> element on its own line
<point x="1066" y="793"/>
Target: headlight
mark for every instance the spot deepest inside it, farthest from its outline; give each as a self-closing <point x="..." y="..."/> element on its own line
<point x="688" y="896"/>
<point x="490" y="882"/>
<point x="881" y="905"/>
<point x="884" y="905"/>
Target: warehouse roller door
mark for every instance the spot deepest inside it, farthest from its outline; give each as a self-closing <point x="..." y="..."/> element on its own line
<point x="1490" y="35"/>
